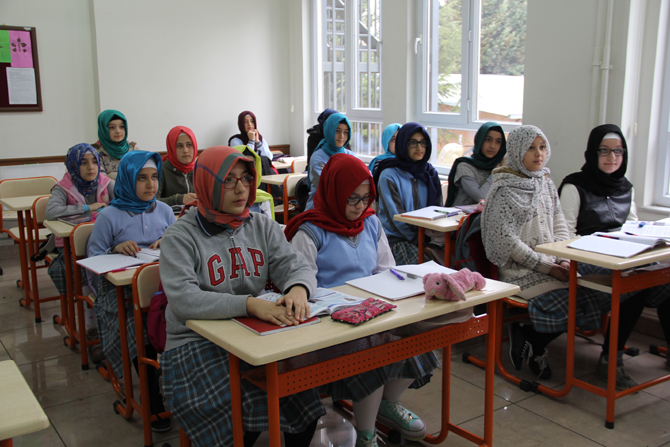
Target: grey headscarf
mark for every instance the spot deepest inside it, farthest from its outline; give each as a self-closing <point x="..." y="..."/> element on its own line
<point x="513" y="197"/>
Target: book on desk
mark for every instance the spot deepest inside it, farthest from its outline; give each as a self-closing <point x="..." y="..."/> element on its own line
<point x="76" y="219"/>
<point x="433" y="212"/>
<point x="102" y="264"/>
<point x="617" y="244"/>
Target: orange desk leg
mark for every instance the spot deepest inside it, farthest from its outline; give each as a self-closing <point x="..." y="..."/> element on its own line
<point x="236" y="398"/>
<point x="6" y="443"/>
<point x="23" y="259"/>
<point x="124" y="409"/>
<point x="67" y="305"/>
<point x="614" y="336"/>
<point x="421" y="238"/>
<point x="32" y="290"/>
<point x="447" y="249"/>
<point x="273" y="404"/>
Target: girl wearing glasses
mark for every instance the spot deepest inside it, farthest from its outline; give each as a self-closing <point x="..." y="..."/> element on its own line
<point x="342" y="226"/>
<point x="215" y="260"/>
<point x="600" y="198"/>
<point x="406" y="182"/>
<point x="388" y="144"/>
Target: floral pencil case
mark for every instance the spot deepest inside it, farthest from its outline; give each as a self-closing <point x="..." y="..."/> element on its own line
<point x="367" y="310"/>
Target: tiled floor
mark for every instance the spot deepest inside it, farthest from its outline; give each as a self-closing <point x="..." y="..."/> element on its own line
<point x="79" y="403"/>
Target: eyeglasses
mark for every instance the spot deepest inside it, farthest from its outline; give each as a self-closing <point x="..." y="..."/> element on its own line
<point x="231" y="182"/>
<point x="414" y="143"/>
<point x="603" y="152"/>
<point x="353" y="201"/>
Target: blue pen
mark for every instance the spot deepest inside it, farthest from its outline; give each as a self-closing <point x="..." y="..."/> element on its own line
<point x="397" y="275"/>
<point x="641" y="224"/>
<point x="452" y="214"/>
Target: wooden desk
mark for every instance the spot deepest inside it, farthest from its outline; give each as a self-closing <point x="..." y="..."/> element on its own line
<point x="620" y="283"/>
<point x="275" y="179"/>
<point x="278" y="381"/>
<point x="23" y="206"/>
<point x="445" y="225"/>
<point x="286" y="162"/>
<point x="20" y="412"/>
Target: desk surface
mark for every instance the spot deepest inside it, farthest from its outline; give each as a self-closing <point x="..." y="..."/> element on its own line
<point x="124" y="278"/>
<point x="444" y="225"/>
<point x="560" y="249"/>
<point x="285" y="162"/>
<point x="20" y="412"/>
<point x="260" y="350"/>
<point x="58" y="228"/>
<point x="275" y="179"/>
<point x="20" y="203"/>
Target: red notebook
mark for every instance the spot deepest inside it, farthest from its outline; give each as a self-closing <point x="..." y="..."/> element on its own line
<point x="264" y="328"/>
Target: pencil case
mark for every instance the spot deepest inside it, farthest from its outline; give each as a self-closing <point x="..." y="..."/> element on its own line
<point x="367" y="310"/>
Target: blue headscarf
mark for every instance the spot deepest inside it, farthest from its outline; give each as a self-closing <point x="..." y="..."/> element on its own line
<point x="73" y="162"/>
<point x="329" y="130"/>
<point x="386" y="137"/>
<point x="125" y="197"/>
<point x="421" y="170"/>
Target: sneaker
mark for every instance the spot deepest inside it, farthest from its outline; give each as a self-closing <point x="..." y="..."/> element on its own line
<point x="161" y="425"/>
<point x="623" y="380"/>
<point x="539" y="366"/>
<point x="366" y="438"/>
<point x="399" y="418"/>
<point x="519" y="347"/>
<point x="156" y="407"/>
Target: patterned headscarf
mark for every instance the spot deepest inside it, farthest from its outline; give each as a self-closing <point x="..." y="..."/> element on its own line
<point x="211" y="169"/>
<point x="340" y="177"/>
<point x="125" y="195"/>
<point x="243" y="133"/>
<point x="171" y="143"/>
<point x="388" y="133"/>
<point x="329" y="130"/>
<point x="478" y="159"/>
<point x="73" y="160"/>
<point x="114" y="149"/>
<point x="513" y="197"/>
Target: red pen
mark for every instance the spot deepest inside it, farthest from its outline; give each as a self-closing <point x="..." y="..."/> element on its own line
<point x="123" y="269"/>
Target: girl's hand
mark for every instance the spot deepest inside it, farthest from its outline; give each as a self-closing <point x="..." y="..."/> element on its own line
<point x="560" y="272"/>
<point x="270" y="312"/>
<point x="252" y="135"/>
<point x="155" y="245"/>
<point x="128" y="248"/>
<point x="97" y="205"/>
<point x="188" y="198"/>
<point x="296" y="299"/>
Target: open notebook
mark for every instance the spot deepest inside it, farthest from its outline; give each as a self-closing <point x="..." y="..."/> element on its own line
<point x="616" y="244"/>
<point x="107" y="263"/>
<point x="433" y="212"/>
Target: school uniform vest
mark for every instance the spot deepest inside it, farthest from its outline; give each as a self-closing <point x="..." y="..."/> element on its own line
<point x="598" y="213"/>
<point x="342" y="258"/>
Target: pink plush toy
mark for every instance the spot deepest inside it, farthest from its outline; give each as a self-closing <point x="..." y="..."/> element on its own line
<point x="452" y="287"/>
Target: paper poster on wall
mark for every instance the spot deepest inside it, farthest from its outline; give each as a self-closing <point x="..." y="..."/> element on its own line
<point x="21" y="85"/>
<point x="21" y="49"/>
<point x="5" y="53"/>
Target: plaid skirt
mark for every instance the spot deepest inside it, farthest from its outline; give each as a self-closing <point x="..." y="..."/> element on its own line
<point x="361" y="385"/>
<point x="196" y="384"/>
<point x="107" y="315"/>
<point x="405" y="252"/>
<point x="56" y="271"/>
<point x="653" y="296"/>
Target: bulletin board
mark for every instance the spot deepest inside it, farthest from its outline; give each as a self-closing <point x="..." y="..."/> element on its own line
<point x="20" y="89"/>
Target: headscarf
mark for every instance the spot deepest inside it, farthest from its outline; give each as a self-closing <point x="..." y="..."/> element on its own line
<point x="591" y="178"/>
<point x="478" y="159"/>
<point x="324" y="116"/>
<point x="340" y="177"/>
<point x="261" y="196"/>
<point x="386" y="138"/>
<point x="513" y="197"/>
<point x="211" y="169"/>
<point x="421" y="170"/>
<point x="329" y="130"/>
<point x="73" y="160"/>
<point x="125" y="195"/>
<point x="113" y="149"/>
<point x="171" y="143"/>
<point x="243" y="133"/>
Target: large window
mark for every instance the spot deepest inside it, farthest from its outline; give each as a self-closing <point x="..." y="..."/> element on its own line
<point x="471" y="70"/>
<point x="662" y="189"/>
<point x="348" y="75"/>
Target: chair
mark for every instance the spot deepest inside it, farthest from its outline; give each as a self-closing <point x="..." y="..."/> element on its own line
<point x="445" y="189"/>
<point x="146" y="282"/>
<point x="299" y="165"/>
<point x="290" y="183"/>
<point x="78" y="241"/>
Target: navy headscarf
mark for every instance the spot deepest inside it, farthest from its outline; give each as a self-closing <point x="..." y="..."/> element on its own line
<point x="125" y="197"/>
<point x="73" y="160"/>
<point x="329" y="129"/>
<point x="421" y="170"/>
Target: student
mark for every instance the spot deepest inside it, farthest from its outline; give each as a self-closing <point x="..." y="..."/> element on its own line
<point x="249" y="136"/>
<point x="176" y="187"/>
<point x="342" y="226"/>
<point x="112" y="142"/>
<point x="406" y="182"/>
<point x="316" y="132"/>
<point x="263" y="203"/>
<point x="470" y="177"/>
<point x="214" y="261"/>
<point x="388" y="144"/>
<point x="133" y="220"/>
<point x="522" y="211"/>
<point x="336" y="135"/>
<point x="600" y="198"/>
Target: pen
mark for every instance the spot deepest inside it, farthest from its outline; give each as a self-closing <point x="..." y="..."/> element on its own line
<point x="449" y="214"/>
<point x="397" y="275"/>
<point x="608" y="237"/>
<point x="123" y="269"/>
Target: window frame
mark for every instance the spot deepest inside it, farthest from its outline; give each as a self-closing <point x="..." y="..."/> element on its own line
<point x="662" y="183"/>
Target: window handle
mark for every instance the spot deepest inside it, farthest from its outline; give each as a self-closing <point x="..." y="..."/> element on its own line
<point x="417" y="41"/>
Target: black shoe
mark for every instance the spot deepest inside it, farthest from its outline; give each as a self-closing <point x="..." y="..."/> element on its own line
<point x="161" y="425"/>
<point x="519" y="347"/>
<point x="539" y="366"/>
